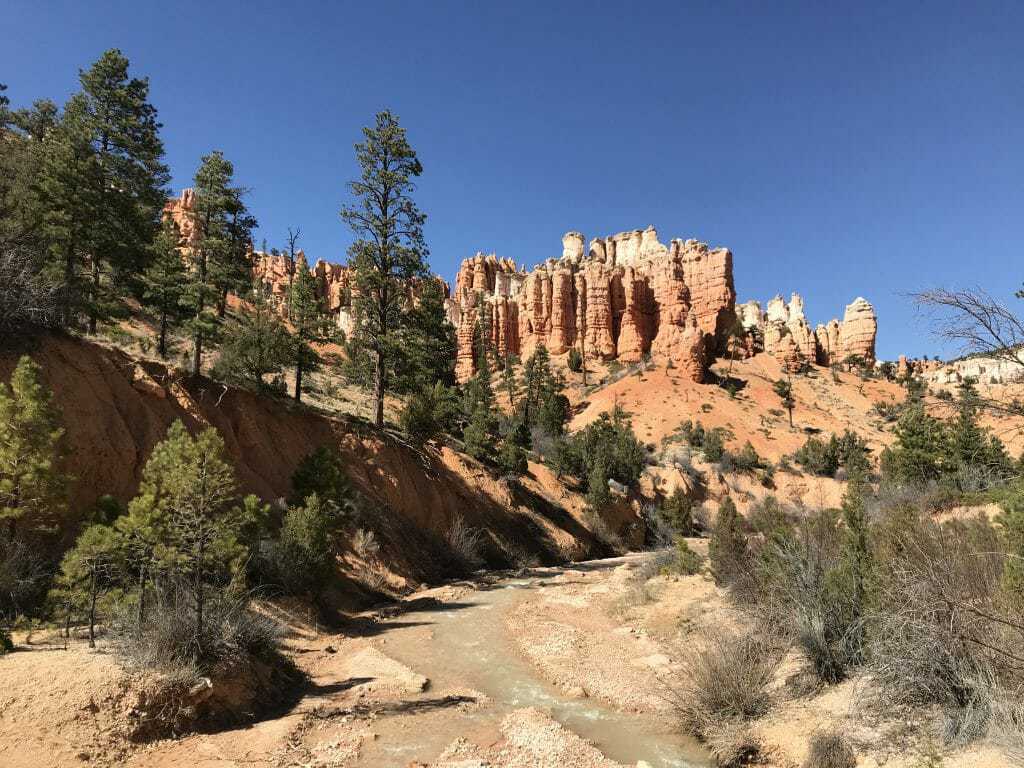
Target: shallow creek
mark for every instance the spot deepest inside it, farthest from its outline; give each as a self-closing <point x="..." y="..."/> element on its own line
<point x="470" y="648"/>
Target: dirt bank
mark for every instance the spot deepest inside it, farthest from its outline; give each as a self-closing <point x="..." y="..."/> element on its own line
<point x="116" y="408"/>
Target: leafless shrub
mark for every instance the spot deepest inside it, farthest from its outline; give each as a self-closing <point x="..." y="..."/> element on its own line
<point x="1008" y="725"/>
<point x="941" y="632"/>
<point x="732" y="743"/>
<point x="25" y="297"/>
<point x="365" y="544"/>
<point x="466" y="543"/>
<point x="725" y="677"/>
<point x="23" y="575"/>
<point x="830" y="749"/>
<point x="603" y="532"/>
<point x="166" y="639"/>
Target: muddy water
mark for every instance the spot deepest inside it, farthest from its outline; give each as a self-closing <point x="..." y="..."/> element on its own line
<point x="470" y="647"/>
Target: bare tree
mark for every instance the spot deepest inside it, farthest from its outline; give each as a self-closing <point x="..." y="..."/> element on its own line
<point x="975" y="321"/>
<point x="977" y="324"/>
<point x="25" y="298"/>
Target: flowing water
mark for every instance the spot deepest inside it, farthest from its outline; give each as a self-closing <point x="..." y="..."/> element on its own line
<point x="471" y="648"/>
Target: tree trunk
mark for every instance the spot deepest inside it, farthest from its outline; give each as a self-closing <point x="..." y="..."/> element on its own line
<point x="95" y="295"/>
<point x="222" y="306"/>
<point x="583" y="357"/>
<point x="378" y="390"/>
<point x="92" y="610"/>
<point x="162" y="344"/>
<point x="69" y="281"/>
<point x="197" y="354"/>
<point x="298" y="379"/>
<point x="140" y="615"/>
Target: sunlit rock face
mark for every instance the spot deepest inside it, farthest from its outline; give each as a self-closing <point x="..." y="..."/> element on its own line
<point x="623" y="297"/>
<point x="783" y="330"/>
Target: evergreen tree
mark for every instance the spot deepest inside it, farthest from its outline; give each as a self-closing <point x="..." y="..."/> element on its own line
<point x="33" y="489"/>
<point x="967" y="443"/>
<point x="429" y="412"/>
<point x="86" y="570"/>
<point x="478" y="405"/>
<point x="677" y="511"/>
<point x="163" y="284"/>
<point x="1011" y="524"/>
<point x="427" y="340"/>
<point x="539" y="384"/>
<point x="916" y="454"/>
<point x="127" y="177"/>
<point x="510" y="382"/>
<point x="855" y="552"/>
<point x="63" y="188"/>
<point x="727" y="548"/>
<point x="311" y="325"/>
<point x="389" y="252"/>
<point x="784" y="389"/>
<point x="512" y="456"/>
<point x="254" y="346"/>
<point x="218" y="261"/>
<point x="188" y="492"/>
<point x="598" y="495"/>
<point x="322" y="473"/>
<point x="22" y="133"/>
<point x="306" y="543"/>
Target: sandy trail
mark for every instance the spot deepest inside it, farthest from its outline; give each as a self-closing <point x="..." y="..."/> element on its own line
<point x="442" y="679"/>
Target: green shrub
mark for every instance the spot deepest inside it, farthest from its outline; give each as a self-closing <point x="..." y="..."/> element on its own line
<point x="687" y="561"/>
<point x="677" y="512"/>
<point x="428" y="413"/>
<point x="575" y="360"/>
<point x="728" y="548"/>
<point x="714" y="445"/>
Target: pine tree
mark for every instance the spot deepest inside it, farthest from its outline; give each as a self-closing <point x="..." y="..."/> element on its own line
<point x="322" y="472"/>
<point x="128" y="177"/>
<point x="478" y="406"/>
<point x="306" y="545"/>
<point x="855" y="553"/>
<point x="390" y="251"/>
<point x="916" y="455"/>
<point x="163" y="284"/>
<point x="310" y="323"/>
<point x="63" y="188"/>
<point x="727" y="548"/>
<point x="427" y="340"/>
<point x="22" y="132"/>
<point x="33" y="489"/>
<point x="219" y="259"/>
<point x="784" y="389"/>
<point x="86" y="570"/>
<point x="539" y="384"/>
<point x="254" y="346"/>
<point x="188" y="492"/>
<point x="967" y="443"/>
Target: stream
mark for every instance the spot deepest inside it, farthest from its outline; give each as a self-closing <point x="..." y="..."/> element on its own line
<point x="471" y="648"/>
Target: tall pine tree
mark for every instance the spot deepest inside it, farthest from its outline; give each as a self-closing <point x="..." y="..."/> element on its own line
<point x="389" y="252"/>
<point x="309" y="321"/>
<point x="33" y="489"/>
<point x="127" y="180"/>
<point x="220" y="257"/>
<point x="163" y="284"/>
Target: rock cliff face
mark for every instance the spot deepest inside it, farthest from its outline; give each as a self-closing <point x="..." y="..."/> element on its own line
<point x="275" y="272"/>
<point x="782" y="330"/>
<point x="625" y="297"/>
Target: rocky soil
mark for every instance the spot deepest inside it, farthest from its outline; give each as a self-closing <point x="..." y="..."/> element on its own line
<point x="563" y="667"/>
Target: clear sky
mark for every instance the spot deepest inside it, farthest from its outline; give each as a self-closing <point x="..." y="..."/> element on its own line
<point x="866" y="151"/>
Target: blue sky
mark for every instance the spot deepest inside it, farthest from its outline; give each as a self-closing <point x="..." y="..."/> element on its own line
<point x="867" y="151"/>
